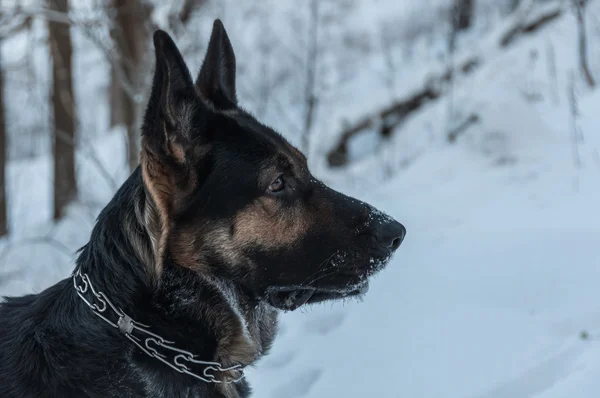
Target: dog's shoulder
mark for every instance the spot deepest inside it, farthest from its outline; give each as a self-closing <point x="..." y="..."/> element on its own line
<point x="22" y="343"/>
<point x="45" y="351"/>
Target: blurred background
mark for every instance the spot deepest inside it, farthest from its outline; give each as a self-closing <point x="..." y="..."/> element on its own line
<point x="475" y="123"/>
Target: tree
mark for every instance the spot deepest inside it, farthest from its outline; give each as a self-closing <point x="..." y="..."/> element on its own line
<point x="130" y="31"/>
<point x="131" y="37"/>
<point x="579" y="7"/>
<point x="3" y="159"/>
<point x="463" y="14"/>
<point x="61" y="50"/>
<point x="311" y="74"/>
<point x="116" y="97"/>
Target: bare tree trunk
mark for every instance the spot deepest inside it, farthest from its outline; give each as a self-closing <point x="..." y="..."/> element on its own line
<point x="457" y="19"/>
<point x="575" y="130"/>
<point x="463" y="14"/>
<point x="552" y="74"/>
<point x="513" y="5"/>
<point x="265" y="84"/>
<point x="65" y="186"/>
<point x="131" y="38"/>
<point x="116" y="96"/>
<point x="3" y="160"/>
<point x="579" y="6"/>
<point x="311" y="72"/>
<point x="187" y="8"/>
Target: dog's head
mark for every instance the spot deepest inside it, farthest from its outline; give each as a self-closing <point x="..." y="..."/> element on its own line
<point x="230" y="197"/>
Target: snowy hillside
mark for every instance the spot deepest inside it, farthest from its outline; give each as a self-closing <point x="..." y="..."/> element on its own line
<point x="495" y="292"/>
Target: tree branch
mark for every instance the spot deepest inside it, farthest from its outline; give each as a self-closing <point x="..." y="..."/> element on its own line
<point x="85" y="25"/>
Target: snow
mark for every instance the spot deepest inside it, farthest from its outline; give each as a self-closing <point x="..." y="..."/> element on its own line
<point x="494" y="292"/>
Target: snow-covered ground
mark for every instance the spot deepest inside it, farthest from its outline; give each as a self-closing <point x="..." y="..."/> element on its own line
<point x="495" y="291"/>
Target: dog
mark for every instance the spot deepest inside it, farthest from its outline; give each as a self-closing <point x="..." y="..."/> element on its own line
<point x="219" y="229"/>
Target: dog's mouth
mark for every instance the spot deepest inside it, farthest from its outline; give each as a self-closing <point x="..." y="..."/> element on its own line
<point x="351" y="279"/>
<point x="291" y="298"/>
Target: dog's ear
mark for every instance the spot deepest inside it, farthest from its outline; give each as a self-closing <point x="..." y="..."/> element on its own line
<point x="173" y="104"/>
<point x="216" y="80"/>
<point x="173" y="120"/>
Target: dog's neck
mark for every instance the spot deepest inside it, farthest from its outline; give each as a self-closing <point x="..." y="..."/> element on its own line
<point x="202" y="314"/>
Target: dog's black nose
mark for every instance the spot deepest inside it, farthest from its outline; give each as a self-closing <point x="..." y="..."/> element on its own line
<point x="390" y="234"/>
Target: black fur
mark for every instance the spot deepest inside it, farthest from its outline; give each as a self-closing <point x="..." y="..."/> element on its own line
<point x="198" y="245"/>
<point x="51" y="344"/>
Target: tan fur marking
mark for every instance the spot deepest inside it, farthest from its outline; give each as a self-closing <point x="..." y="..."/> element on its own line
<point x="157" y="181"/>
<point x="263" y="223"/>
<point x="184" y="249"/>
<point x="239" y="337"/>
<point x="234" y="347"/>
<point x="166" y="195"/>
<point x="189" y="246"/>
<point x="177" y="152"/>
<point x="135" y="235"/>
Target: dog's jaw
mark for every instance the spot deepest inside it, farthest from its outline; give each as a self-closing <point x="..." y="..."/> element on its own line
<point x="293" y="298"/>
<point x="290" y="300"/>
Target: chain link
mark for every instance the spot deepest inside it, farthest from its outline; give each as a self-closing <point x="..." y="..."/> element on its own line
<point x="149" y="342"/>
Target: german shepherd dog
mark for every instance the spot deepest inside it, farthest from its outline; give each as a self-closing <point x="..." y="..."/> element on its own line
<point x="220" y="228"/>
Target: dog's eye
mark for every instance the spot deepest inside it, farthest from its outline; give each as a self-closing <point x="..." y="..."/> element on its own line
<point x="277" y="185"/>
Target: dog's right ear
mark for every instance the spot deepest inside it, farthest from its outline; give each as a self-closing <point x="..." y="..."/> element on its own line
<point x="173" y="117"/>
<point x="216" y="80"/>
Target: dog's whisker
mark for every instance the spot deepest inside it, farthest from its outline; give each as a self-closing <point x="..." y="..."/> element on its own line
<point x="326" y="262"/>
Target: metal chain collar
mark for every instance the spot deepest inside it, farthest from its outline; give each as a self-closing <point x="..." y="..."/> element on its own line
<point x="149" y="342"/>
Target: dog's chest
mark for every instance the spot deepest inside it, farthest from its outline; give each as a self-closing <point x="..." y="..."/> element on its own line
<point x="157" y="386"/>
<point x="239" y="328"/>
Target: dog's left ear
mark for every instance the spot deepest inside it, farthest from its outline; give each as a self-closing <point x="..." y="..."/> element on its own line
<point x="172" y="105"/>
<point x="216" y="80"/>
<point x="173" y="134"/>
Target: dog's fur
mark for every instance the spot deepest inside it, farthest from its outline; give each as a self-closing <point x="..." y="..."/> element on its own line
<point x="221" y="226"/>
